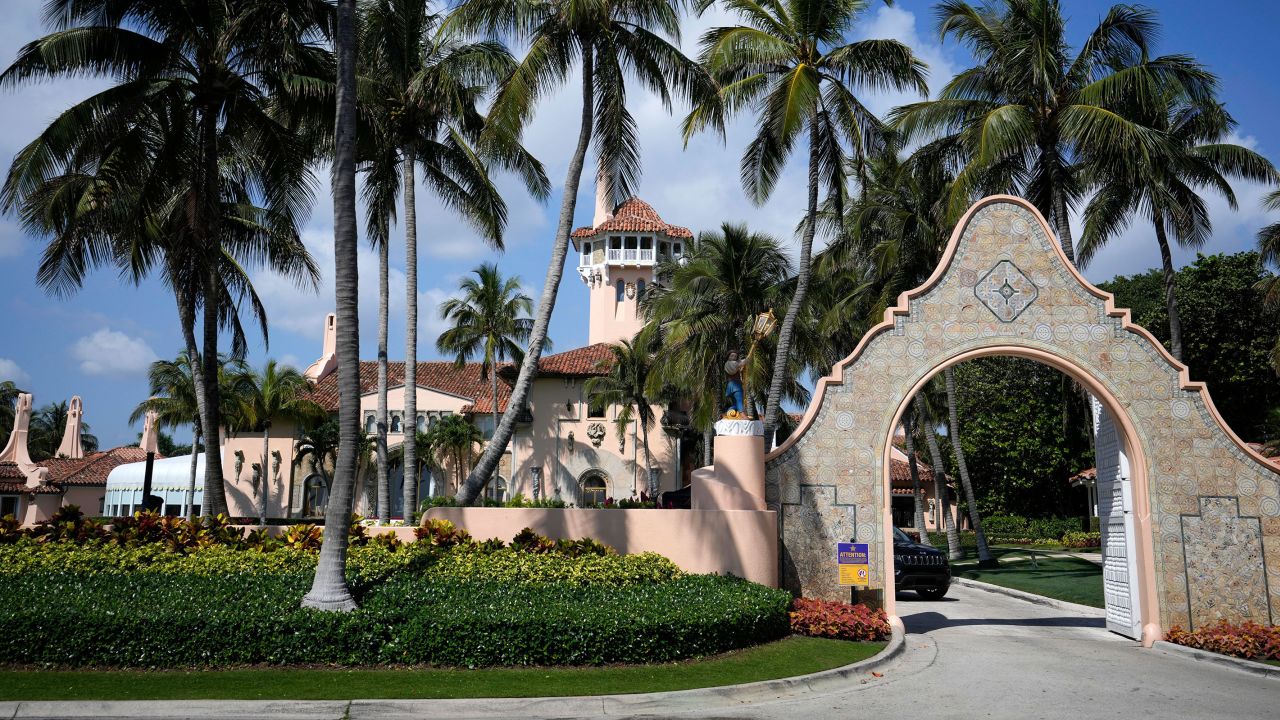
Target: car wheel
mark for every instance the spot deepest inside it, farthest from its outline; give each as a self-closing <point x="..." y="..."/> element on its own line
<point x="932" y="593"/>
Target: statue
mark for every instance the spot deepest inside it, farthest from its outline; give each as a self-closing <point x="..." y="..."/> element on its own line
<point x="733" y="390"/>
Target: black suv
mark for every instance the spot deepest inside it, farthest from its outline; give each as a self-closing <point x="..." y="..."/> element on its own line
<point x="919" y="567"/>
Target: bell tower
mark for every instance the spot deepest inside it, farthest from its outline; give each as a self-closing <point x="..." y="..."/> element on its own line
<point x="617" y="259"/>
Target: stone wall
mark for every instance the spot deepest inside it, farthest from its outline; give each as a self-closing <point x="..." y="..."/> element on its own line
<point x="1208" y="508"/>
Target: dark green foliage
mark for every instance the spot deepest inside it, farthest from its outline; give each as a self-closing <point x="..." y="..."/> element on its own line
<point x="1227" y="333"/>
<point x="154" y="620"/>
<point x="1025" y="431"/>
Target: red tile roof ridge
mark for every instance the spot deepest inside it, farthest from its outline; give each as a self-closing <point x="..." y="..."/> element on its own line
<point x="634" y="215"/>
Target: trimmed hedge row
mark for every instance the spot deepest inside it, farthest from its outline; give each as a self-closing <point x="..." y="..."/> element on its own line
<point x="366" y="564"/>
<point x="168" y="620"/>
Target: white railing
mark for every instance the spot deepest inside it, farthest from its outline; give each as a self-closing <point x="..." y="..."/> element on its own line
<point x="631" y="255"/>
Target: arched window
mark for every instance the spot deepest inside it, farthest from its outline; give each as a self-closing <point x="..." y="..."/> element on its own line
<point x="496" y="490"/>
<point x="370" y="424"/>
<point x="422" y="422"/>
<point x="593" y="488"/>
<point x="622" y="291"/>
<point x="315" y="496"/>
<point x="395" y="424"/>
<point x="639" y="289"/>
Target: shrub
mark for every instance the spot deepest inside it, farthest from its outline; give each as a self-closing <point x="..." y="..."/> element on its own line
<point x="10" y="529"/>
<point x="1054" y="528"/>
<point x="303" y="536"/>
<point x="531" y="542"/>
<point x="1082" y="539"/>
<point x="157" y="620"/>
<point x="441" y="533"/>
<point x="1005" y="525"/>
<point x="512" y="566"/>
<point x="1248" y="640"/>
<point x="829" y="619"/>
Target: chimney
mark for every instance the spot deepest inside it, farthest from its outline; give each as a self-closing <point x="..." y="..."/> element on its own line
<point x="328" y="359"/>
<point x="71" y="447"/>
<point x="150" y="441"/>
<point x="604" y="200"/>
<point x="15" y="451"/>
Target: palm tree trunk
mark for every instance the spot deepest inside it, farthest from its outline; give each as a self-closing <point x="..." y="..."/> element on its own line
<point x="1170" y="281"/>
<point x="648" y="462"/>
<point x="410" y="426"/>
<point x="380" y="444"/>
<point x="493" y="371"/>
<point x="215" y="495"/>
<point x="265" y="476"/>
<point x="984" y="554"/>
<point x="469" y="490"/>
<point x="940" y="483"/>
<point x="329" y="589"/>
<point x="191" y="482"/>
<point x="1063" y="220"/>
<point x="783" y="356"/>
<point x="917" y="494"/>
<point x="187" y="318"/>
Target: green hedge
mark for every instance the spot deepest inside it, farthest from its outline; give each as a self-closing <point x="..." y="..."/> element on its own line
<point x="178" y="619"/>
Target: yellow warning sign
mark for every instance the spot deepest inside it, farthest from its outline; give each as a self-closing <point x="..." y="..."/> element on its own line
<point x="854" y="575"/>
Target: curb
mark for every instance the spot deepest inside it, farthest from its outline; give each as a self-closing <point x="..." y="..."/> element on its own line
<point x="595" y="705"/>
<point x="1031" y="597"/>
<point x="1249" y="666"/>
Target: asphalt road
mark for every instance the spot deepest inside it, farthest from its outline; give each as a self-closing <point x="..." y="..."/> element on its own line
<point x="973" y="655"/>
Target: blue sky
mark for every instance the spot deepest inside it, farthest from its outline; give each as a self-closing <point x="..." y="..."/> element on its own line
<point x="97" y="343"/>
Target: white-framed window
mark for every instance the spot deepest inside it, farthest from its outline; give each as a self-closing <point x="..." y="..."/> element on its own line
<point x="396" y="423"/>
<point x="370" y="424"/>
<point x="496" y="490"/>
<point x="595" y="409"/>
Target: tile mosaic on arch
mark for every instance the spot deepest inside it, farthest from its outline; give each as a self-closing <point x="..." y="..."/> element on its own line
<point x="1038" y="304"/>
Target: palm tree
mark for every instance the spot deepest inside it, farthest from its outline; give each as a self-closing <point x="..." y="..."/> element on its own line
<point x="329" y="589"/>
<point x="626" y="385"/>
<point x="608" y="39"/>
<point x="1162" y="185"/>
<point x="1027" y="109"/>
<point x="456" y="438"/>
<point x="423" y="87"/>
<point x="46" y="429"/>
<point x="790" y="62"/>
<point x="202" y="181"/>
<point x="704" y="304"/>
<point x="8" y="404"/>
<point x="917" y="495"/>
<point x="953" y="435"/>
<point x="489" y="321"/>
<point x="277" y="393"/>
<point x="424" y="455"/>
<point x="940" y="489"/>
<point x="1269" y="250"/>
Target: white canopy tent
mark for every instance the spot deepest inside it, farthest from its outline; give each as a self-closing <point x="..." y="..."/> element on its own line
<point x="170" y="478"/>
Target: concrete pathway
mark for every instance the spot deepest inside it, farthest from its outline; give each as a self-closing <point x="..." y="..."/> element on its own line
<point x="973" y="655"/>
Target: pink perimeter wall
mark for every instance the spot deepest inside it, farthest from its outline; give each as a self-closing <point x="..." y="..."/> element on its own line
<point x="741" y="542"/>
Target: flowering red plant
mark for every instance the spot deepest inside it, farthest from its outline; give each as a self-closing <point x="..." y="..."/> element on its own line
<point x="825" y="618"/>
<point x="1247" y="640"/>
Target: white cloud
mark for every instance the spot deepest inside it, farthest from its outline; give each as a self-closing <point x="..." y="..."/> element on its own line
<point x="109" y="352"/>
<point x="10" y="370"/>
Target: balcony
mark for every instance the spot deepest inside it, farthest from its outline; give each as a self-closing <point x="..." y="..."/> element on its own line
<point x="631" y="256"/>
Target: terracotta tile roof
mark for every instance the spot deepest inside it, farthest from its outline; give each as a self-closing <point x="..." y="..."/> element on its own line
<point x="634" y="215"/>
<point x="1090" y="474"/>
<point x="900" y="472"/>
<point x="444" y="377"/>
<point x="587" y="361"/>
<point x="94" y="469"/>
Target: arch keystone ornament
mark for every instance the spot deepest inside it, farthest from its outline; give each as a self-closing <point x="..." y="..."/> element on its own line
<point x="1205" y="507"/>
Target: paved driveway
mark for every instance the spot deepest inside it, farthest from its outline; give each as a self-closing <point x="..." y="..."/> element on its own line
<point x="980" y="655"/>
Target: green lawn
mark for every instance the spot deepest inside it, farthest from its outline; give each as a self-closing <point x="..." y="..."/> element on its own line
<point x="1063" y="578"/>
<point x="791" y="656"/>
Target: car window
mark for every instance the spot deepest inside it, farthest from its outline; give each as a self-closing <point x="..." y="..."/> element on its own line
<point x="901" y="537"/>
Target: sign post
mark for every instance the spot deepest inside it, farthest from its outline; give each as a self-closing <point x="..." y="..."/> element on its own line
<point x="853" y="562"/>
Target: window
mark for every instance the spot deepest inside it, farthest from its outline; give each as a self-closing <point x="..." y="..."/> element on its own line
<point x="173" y="510"/>
<point x="315" y="496"/>
<point x="370" y="424"/>
<point x="595" y="488"/>
<point x="422" y="422"/>
<point x="646" y="243"/>
<point x="9" y="505"/>
<point x="496" y="490"/>
<point x="631" y="243"/>
<point x="586" y="253"/>
<point x="395" y="424"/>
<point x="595" y="408"/>
<point x="639" y="289"/>
<point x="622" y="291"/>
<point x="615" y="243"/>
<point x="676" y="250"/>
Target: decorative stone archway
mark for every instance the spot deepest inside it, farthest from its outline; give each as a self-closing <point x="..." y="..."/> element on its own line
<point x="1207" y="507"/>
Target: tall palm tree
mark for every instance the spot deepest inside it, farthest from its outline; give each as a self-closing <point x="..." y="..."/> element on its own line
<point x="917" y="495"/>
<point x="627" y="385"/>
<point x="423" y="87"/>
<point x="489" y="321"/>
<point x="791" y="64"/>
<point x="1163" y="185"/>
<point x="940" y="490"/>
<point x="1028" y="108"/>
<point x="962" y="466"/>
<point x="203" y="182"/>
<point x="704" y="304"/>
<point x="329" y="589"/>
<point x="424" y="445"/>
<point x="276" y="393"/>
<point x="456" y="438"/>
<point x="607" y="39"/>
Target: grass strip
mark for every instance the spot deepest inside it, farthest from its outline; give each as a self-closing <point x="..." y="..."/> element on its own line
<point x="783" y="658"/>
<point x="1063" y="578"/>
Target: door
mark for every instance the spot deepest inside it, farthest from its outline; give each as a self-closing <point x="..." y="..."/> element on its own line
<point x="1115" y="515"/>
